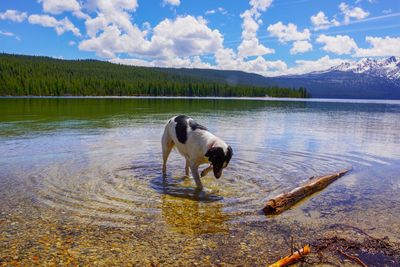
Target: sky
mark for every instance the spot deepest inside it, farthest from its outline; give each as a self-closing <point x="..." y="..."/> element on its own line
<point x="268" y="37"/>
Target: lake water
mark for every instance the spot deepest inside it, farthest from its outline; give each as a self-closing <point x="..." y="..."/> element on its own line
<point x="80" y="180"/>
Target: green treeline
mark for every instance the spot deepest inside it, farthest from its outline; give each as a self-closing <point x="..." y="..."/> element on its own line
<point x="43" y="76"/>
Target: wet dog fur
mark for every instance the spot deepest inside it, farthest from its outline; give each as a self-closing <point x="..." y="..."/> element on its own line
<point x="197" y="145"/>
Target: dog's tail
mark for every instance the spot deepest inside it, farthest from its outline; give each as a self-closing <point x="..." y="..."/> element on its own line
<point x="167" y="144"/>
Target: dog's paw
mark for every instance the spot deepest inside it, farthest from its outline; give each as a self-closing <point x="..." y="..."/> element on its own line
<point x="206" y="171"/>
<point x="208" y="191"/>
<point x="202" y="195"/>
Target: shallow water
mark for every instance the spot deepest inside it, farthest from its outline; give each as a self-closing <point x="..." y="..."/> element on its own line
<point x="80" y="179"/>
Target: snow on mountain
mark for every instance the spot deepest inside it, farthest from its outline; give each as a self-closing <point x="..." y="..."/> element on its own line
<point x="386" y="67"/>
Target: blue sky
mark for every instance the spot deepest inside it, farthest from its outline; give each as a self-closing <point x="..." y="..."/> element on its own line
<point x="269" y="37"/>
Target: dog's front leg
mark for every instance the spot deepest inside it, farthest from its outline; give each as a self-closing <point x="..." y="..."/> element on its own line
<point x="196" y="176"/>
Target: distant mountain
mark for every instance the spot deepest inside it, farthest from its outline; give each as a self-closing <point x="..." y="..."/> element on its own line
<point x="344" y="84"/>
<point x="365" y="79"/>
<point x="385" y="68"/>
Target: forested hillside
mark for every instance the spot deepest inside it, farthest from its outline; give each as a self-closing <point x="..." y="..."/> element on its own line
<point x="365" y="79"/>
<point x="43" y="76"/>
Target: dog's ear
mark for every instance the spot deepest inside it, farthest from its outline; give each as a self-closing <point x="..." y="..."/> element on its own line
<point x="210" y="152"/>
<point x="230" y="152"/>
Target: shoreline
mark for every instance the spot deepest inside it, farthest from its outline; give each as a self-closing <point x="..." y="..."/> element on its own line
<point x="287" y="99"/>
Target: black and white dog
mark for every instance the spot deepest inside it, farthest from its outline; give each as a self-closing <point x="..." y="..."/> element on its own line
<point x="197" y="145"/>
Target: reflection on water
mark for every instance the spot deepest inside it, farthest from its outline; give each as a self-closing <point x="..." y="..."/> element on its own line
<point x="95" y="164"/>
<point x="187" y="216"/>
<point x="187" y="210"/>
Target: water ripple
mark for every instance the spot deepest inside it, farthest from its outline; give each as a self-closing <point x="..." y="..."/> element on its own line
<point x="137" y="191"/>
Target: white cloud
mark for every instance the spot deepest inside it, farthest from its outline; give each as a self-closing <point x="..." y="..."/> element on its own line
<point x="343" y="44"/>
<point x="178" y="62"/>
<point x="300" y="47"/>
<point x="339" y="44"/>
<point x="213" y="11"/>
<point x="182" y="37"/>
<point x="288" y="32"/>
<point x="227" y="59"/>
<point x="250" y="45"/>
<point x="262" y="66"/>
<point x="185" y="36"/>
<point x="260" y="5"/>
<point x="112" y="5"/>
<point x="172" y="2"/>
<point x="111" y="41"/>
<point x="94" y="25"/>
<point x="9" y="34"/>
<point x="352" y="12"/>
<point x="320" y="21"/>
<point x="112" y="31"/>
<point x="60" y="26"/>
<point x="381" y="47"/>
<point x="250" y="25"/>
<point x="222" y="10"/>
<point x="306" y="66"/>
<point x="71" y="43"/>
<point x="13" y="15"/>
<point x="56" y="7"/>
<point x="387" y="11"/>
<point x="114" y="12"/>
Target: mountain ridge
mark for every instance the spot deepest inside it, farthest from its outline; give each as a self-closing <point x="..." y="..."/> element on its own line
<point x="387" y="67"/>
<point x="363" y="79"/>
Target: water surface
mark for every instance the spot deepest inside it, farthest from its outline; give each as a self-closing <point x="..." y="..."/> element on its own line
<point x="81" y="183"/>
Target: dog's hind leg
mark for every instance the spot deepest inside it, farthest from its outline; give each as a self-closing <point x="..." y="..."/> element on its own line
<point x="167" y="145"/>
<point x="187" y="168"/>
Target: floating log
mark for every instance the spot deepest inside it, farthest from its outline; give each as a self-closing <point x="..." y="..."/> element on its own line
<point x="284" y="201"/>
<point x="298" y="255"/>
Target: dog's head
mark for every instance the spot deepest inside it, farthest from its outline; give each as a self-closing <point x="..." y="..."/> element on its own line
<point x="219" y="158"/>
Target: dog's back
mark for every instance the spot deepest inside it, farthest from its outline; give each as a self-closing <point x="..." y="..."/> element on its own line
<point x="197" y="145"/>
<point x="185" y="133"/>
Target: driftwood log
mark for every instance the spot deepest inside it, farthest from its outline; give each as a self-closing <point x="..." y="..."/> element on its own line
<point x="294" y="257"/>
<point x="284" y="201"/>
